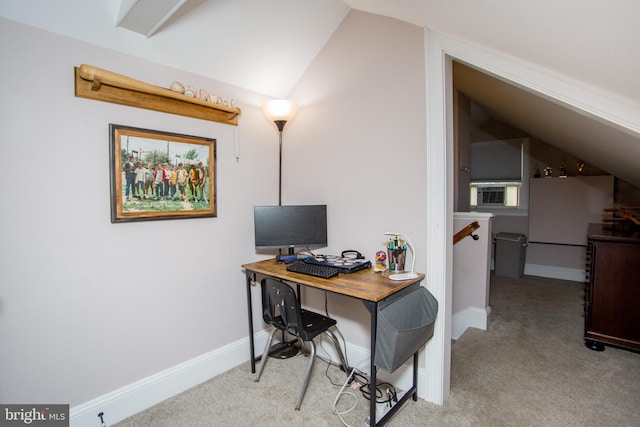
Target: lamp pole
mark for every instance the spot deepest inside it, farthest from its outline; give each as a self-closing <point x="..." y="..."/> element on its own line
<point x="280" y="111"/>
<point x="280" y="125"/>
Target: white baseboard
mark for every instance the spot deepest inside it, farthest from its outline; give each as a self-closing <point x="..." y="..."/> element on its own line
<point x="552" y="272"/>
<point x="470" y="317"/>
<point x="136" y="397"/>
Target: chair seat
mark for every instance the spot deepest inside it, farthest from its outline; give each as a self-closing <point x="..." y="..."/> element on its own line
<point x="314" y="324"/>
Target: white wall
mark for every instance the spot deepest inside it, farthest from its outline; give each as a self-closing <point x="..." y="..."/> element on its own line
<point x="86" y="306"/>
<point x="358" y="144"/>
<point x="471" y="274"/>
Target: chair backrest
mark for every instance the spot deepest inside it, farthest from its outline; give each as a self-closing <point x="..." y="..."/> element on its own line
<point x="280" y="306"/>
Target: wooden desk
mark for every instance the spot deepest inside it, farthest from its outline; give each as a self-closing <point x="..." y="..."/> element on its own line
<point x="365" y="285"/>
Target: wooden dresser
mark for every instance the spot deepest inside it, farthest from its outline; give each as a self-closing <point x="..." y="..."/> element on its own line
<point x="612" y="288"/>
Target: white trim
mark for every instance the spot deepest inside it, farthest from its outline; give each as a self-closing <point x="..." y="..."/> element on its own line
<point x="473" y="215"/>
<point x="470" y="317"/>
<point x="554" y="272"/>
<point x="136" y="397"/>
<point x="439" y="197"/>
<point x="624" y="113"/>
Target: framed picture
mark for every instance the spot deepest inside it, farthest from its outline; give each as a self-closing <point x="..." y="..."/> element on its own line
<point x="160" y="175"/>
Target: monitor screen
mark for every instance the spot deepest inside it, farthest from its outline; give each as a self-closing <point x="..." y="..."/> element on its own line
<point x="290" y="226"/>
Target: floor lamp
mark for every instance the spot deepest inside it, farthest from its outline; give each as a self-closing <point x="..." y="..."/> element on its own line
<point x="281" y="111"/>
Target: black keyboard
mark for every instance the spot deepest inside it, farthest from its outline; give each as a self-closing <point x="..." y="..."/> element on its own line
<point x="313" y="270"/>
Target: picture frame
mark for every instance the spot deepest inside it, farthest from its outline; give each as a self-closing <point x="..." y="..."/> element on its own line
<point x="159" y="175"/>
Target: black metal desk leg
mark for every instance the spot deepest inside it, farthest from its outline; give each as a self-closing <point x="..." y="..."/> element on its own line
<point x="415" y="376"/>
<point x="372" y="374"/>
<point x="250" y="278"/>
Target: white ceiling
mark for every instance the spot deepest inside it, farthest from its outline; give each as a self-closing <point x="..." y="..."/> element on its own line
<point x="146" y="16"/>
<point x="263" y="46"/>
<point x="266" y="46"/>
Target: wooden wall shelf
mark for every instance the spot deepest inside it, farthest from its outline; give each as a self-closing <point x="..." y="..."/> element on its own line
<point x="102" y="85"/>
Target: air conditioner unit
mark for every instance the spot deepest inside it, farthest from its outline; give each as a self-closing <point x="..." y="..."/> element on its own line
<point x="495" y="194"/>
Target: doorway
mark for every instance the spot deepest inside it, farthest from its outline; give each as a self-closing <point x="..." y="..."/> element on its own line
<point x="441" y="51"/>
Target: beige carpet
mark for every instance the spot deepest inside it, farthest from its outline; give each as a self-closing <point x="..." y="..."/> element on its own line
<point x="530" y="368"/>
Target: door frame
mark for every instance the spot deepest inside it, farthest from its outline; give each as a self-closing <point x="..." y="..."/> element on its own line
<point x="440" y="51"/>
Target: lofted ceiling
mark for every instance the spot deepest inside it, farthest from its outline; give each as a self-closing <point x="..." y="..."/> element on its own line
<point x="147" y="16"/>
<point x="227" y="40"/>
<point x="610" y="148"/>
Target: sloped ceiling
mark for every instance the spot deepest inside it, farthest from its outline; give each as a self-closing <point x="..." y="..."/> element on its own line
<point x="229" y="40"/>
<point x="146" y="16"/>
<point x="597" y="142"/>
<point x="263" y="46"/>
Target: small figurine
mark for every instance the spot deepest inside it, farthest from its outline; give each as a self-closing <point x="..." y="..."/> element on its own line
<point x="580" y="166"/>
<point x="381" y="262"/>
<point x="548" y="172"/>
<point x="536" y="172"/>
<point x="563" y="168"/>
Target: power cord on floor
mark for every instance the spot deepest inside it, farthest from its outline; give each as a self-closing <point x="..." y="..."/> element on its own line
<point x="329" y="361"/>
<point x="358" y="377"/>
<point x="348" y="393"/>
<point x="385" y="393"/>
<point x="342" y="344"/>
<point x="382" y="389"/>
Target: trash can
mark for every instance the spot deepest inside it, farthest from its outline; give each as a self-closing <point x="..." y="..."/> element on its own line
<point x="404" y="325"/>
<point x="510" y="254"/>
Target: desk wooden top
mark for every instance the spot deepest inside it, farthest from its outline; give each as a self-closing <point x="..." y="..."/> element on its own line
<point x="364" y="284"/>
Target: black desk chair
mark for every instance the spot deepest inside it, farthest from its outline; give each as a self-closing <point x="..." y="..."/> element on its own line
<point x="281" y="309"/>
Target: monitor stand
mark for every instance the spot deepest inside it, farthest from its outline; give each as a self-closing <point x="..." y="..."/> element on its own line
<point x="289" y="257"/>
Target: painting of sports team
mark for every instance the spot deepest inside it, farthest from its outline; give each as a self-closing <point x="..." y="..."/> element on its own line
<point x="164" y="187"/>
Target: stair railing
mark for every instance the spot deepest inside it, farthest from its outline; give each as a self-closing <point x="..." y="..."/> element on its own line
<point x="467" y="231"/>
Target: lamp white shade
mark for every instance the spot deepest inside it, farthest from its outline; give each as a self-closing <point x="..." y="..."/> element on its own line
<point x="280" y="109"/>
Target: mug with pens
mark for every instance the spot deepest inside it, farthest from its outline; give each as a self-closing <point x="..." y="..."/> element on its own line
<point x="397" y="250"/>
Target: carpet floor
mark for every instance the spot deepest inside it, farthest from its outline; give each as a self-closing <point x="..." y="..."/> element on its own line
<point x="530" y="368"/>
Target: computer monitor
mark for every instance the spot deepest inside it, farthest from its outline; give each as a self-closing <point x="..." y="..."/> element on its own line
<point x="293" y="226"/>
